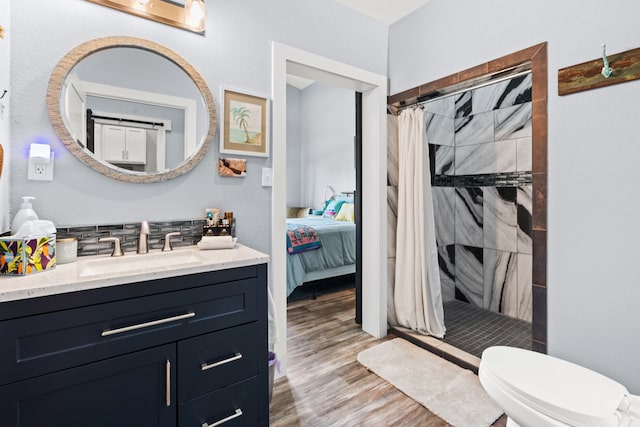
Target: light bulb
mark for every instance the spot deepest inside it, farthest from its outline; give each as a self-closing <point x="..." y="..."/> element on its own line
<point x="196" y="12"/>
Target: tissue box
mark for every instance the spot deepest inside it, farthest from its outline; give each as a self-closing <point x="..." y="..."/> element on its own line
<point x="22" y="256"/>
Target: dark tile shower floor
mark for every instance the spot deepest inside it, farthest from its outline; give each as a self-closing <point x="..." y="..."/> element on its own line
<point x="473" y="329"/>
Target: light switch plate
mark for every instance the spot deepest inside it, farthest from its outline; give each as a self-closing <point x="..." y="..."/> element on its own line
<point x="267" y="177"/>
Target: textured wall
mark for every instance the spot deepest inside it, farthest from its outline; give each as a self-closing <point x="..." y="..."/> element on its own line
<point x="320" y="152"/>
<point x="593" y="216"/>
<point x="235" y="52"/>
<point x="328" y="123"/>
<point x="295" y="196"/>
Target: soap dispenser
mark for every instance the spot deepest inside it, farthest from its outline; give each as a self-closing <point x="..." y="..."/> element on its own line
<point x="26" y="213"/>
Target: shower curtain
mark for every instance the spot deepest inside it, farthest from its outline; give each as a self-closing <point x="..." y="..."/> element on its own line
<point x="417" y="294"/>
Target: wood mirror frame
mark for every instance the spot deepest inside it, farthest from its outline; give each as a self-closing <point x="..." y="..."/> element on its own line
<point x="67" y="63"/>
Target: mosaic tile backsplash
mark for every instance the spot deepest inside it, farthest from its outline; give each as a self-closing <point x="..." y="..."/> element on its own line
<point x="190" y="234"/>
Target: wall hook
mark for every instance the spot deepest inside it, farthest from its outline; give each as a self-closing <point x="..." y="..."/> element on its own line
<point x="606" y="70"/>
<point x="3" y="94"/>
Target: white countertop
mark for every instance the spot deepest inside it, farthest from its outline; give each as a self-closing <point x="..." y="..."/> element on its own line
<point x="92" y="272"/>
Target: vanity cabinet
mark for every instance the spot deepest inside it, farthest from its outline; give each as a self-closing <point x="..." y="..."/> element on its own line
<point x="123" y="144"/>
<point x="122" y="391"/>
<point x="182" y="351"/>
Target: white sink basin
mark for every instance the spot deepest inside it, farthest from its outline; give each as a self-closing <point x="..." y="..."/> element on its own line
<point x="137" y="263"/>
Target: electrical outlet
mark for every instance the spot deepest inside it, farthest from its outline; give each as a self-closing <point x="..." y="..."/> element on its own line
<point x="39" y="171"/>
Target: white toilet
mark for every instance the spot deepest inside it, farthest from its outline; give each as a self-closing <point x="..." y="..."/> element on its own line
<point x="537" y="390"/>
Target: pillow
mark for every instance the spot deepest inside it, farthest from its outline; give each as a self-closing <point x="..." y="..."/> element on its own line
<point x="346" y="213"/>
<point x="332" y="208"/>
<point x="298" y="212"/>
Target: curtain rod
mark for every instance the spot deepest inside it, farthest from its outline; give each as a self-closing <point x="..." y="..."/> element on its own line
<point x="419" y="103"/>
<point x="118" y="119"/>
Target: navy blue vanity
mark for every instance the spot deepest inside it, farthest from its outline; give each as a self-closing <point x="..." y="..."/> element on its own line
<point x="187" y="350"/>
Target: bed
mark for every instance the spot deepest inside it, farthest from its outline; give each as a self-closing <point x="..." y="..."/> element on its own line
<point x="335" y="256"/>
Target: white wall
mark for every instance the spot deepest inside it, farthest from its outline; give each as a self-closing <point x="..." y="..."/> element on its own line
<point x="236" y="52"/>
<point x="593" y="208"/>
<point x="5" y="135"/>
<point x="320" y="147"/>
<point x="294" y="149"/>
<point x="328" y="123"/>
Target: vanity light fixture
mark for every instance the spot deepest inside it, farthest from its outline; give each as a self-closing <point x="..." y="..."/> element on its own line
<point x="197" y="12"/>
<point x="191" y="16"/>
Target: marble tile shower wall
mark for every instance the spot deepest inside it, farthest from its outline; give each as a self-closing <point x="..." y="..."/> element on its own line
<point x="88" y="236"/>
<point x="483" y="195"/>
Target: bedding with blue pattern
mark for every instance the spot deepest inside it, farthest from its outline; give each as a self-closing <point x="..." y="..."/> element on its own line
<point x="301" y="238"/>
<point x="338" y="249"/>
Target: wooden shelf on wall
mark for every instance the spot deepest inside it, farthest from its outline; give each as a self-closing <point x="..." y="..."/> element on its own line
<point x="586" y="76"/>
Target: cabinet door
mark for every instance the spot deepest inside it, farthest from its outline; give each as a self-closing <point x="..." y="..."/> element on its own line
<point x="133" y="390"/>
<point x="136" y="149"/>
<point x="113" y="143"/>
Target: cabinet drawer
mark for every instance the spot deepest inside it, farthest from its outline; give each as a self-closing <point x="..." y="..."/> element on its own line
<point x="40" y="344"/>
<point x="218" y="359"/>
<point x="233" y="406"/>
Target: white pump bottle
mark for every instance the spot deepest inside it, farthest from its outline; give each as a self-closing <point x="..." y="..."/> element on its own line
<point x="26" y="213"/>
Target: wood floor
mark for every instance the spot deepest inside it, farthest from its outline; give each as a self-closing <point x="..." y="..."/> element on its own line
<point x="326" y="386"/>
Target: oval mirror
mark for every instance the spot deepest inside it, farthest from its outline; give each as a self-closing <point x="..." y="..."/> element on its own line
<point x="131" y="109"/>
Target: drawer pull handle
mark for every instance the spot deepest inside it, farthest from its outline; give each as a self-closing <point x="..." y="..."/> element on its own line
<point x="235" y="357"/>
<point x="109" y="332"/>
<point x="168" y="384"/>
<point x="224" y="420"/>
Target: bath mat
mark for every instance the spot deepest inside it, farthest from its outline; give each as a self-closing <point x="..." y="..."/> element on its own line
<point x="449" y="391"/>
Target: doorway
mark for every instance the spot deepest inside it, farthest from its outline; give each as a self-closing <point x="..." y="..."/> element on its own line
<point x="324" y="134"/>
<point x="373" y="87"/>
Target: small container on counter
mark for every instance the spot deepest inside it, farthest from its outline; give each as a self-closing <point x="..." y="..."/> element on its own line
<point x="66" y="249"/>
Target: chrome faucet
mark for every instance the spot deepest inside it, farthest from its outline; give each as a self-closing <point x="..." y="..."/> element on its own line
<point x="143" y="239"/>
<point x="117" y="251"/>
<point x="167" y="241"/>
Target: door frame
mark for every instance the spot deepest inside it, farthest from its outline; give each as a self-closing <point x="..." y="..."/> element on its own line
<point x="358" y="206"/>
<point x="290" y="60"/>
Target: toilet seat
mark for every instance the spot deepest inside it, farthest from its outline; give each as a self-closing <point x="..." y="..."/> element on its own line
<point x="556" y="388"/>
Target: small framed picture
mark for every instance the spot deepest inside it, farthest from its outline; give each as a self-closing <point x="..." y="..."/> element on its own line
<point x="244" y="126"/>
<point x="232" y="167"/>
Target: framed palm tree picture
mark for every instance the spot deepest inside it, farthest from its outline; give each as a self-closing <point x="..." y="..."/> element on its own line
<point x="244" y="125"/>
